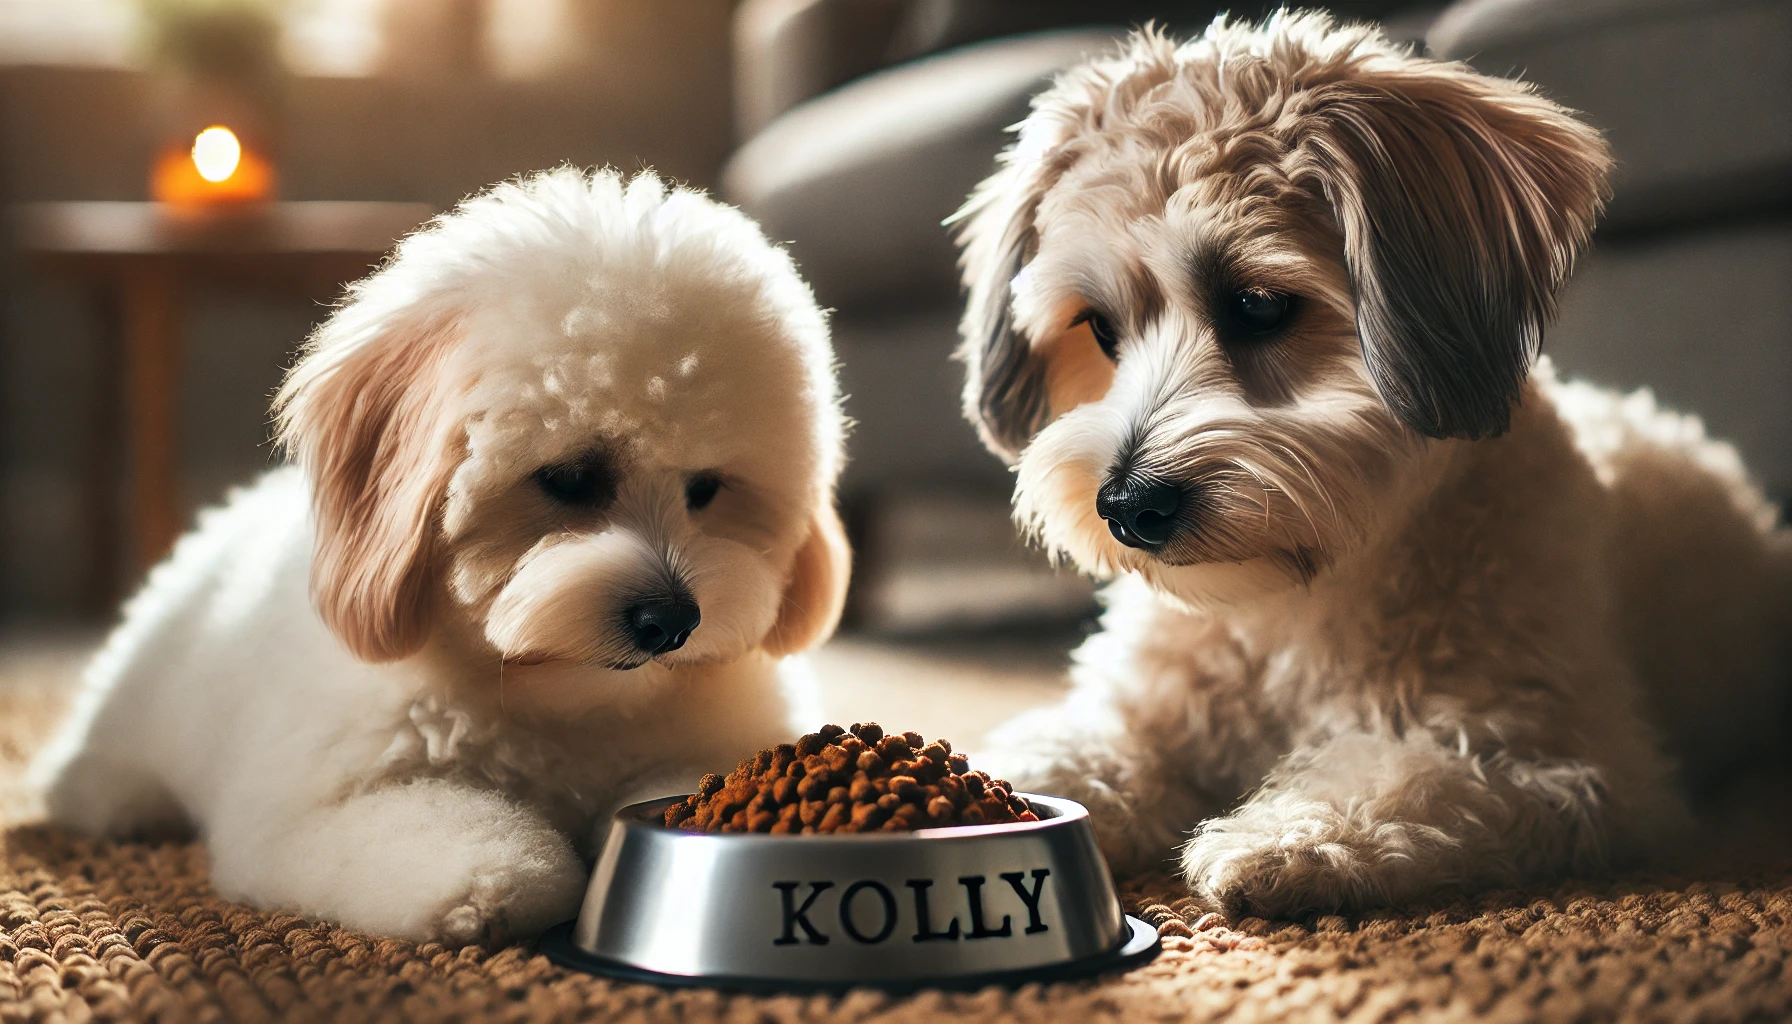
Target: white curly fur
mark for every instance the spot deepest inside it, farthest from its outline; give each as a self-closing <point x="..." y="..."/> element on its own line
<point x="433" y="756"/>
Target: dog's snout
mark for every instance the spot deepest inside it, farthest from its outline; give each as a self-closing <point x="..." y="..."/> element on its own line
<point x="661" y="625"/>
<point x="1141" y="512"/>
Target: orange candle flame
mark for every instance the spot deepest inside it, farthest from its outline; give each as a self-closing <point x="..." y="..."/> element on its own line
<point x="216" y="169"/>
<point x="216" y="153"/>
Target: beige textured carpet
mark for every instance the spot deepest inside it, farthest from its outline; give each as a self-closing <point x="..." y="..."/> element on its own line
<point x="110" y="931"/>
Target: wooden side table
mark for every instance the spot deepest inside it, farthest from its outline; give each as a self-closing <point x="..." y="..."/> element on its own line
<point x="140" y="261"/>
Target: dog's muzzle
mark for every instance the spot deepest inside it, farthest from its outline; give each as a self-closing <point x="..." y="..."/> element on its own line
<point x="662" y="623"/>
<point x="1140" y="512"/>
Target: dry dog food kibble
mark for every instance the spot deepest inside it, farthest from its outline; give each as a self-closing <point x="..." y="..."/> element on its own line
<point x="857" y="780"/>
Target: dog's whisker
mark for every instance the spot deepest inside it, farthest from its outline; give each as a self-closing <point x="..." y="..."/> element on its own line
<point x="1297" y="499"/>
<point x="503" y="711"/>
<point x="1301" y="463"/>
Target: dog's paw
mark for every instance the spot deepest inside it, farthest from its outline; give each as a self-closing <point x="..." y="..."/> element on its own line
<point x="1272" y="873"/>
<point x="1127" y="843"/>
<point x="504" y="902"/>
<point x="469" y="925"/>
<point x="1124" y="841"/>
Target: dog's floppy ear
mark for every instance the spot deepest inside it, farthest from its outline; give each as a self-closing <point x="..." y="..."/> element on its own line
<point x="363" y="413"/>
<point x="1463" y="201"/>
<point x="816" y="593"/>
<point x="1004" y="388"/>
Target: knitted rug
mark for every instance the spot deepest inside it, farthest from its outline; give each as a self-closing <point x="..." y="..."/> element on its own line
<point x="132" y="931"/>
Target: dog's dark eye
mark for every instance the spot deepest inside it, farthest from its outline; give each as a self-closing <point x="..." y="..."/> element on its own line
<point x="1103" y="329"/>
<point x="701" y="490"/>
<point x="1255" y="312"/>
<point x="577" y="483"/>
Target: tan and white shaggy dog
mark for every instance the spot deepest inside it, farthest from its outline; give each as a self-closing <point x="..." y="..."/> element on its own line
<point x="563" y="499"/>
<point x="1256" y="319"/>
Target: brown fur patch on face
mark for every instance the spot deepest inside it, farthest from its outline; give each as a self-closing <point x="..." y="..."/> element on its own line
<point x="1076" y="369"/>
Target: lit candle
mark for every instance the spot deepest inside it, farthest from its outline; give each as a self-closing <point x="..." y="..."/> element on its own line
<point x="215" y="169"/>
<point x="216" y="153"/>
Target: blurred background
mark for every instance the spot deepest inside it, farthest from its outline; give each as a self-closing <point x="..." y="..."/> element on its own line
<point x="138" y="351"/>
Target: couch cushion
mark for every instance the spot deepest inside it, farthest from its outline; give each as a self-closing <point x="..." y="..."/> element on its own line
<point x="786" y="51"/>
<point x="902" y="386"/>
<point x="1701" y="318"/>
<point x="858" y="180"/>
<point x="1695" y="95"/>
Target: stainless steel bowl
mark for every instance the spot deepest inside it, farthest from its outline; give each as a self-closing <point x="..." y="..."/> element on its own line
<point x="947" y="907"/>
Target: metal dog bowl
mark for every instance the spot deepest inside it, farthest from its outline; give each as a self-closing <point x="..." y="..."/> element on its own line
<point x="947" y="907"/>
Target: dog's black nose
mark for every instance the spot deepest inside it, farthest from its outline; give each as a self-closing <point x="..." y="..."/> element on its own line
<point x="661" y="625"/>
<point x="1141" y="512"/>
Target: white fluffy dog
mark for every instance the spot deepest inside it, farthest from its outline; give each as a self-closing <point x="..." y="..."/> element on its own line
<point x="563" y="499"/>
<point x="1256" y="316"/>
